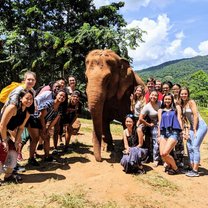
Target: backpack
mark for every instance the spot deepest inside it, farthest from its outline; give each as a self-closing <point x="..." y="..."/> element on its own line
<point x="7" y="90"/>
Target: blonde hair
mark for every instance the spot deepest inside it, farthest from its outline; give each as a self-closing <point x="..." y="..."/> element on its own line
<point x="29" y="73"/>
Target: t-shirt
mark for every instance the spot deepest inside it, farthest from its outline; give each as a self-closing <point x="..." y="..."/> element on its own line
<point x="151" y="112"/>
<point x="160" y="96"/>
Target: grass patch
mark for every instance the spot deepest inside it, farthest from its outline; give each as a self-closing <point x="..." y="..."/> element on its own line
<point x="144" y="202"/>
<point x="77" y="200"/>
<point x="158" y="183"/>
<point x="87" y="127"/>
<point x="204" y="113"/>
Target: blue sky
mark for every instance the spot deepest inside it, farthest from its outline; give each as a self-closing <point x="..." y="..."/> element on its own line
<point x="175" y="29"/>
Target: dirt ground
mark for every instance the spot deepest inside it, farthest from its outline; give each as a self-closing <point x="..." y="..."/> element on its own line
<point x="77" y="177"/>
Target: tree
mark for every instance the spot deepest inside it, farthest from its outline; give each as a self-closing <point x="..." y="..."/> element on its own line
<point x="199" y="86"/>
<point x="53" y="37"/>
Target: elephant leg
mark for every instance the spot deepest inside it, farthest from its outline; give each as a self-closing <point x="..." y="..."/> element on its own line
<point x="107" y="136"/>
<point x="97" y="147"/>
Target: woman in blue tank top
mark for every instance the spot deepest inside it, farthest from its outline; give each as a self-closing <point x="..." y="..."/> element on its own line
<point x="170" y="125"/>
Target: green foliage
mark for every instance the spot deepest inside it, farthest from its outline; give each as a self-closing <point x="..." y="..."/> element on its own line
<point x="192" y="73"/>
<point x="53" y="37"/>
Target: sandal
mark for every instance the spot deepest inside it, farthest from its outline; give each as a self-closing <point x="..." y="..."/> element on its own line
<point x="173" y="172"/>
<point x="155" y="164"/>
<point x="141" y="171"/>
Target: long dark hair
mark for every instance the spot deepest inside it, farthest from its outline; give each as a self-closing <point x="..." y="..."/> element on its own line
<point x="131" y="116"/>
<point x="173" y="106"/>
<point x="22" y="93"/>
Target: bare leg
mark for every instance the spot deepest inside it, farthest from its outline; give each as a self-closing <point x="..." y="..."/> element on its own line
<point x="166" y="145"/>
<point x="46" y="145"/>
<point x="141" y="136"/>
<point x="69" y="130"/>
<point x="55" y="135"/>
<point x="34" y="134"/>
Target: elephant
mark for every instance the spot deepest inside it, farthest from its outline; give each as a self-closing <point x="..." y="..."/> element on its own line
<point x="110" y="82"/>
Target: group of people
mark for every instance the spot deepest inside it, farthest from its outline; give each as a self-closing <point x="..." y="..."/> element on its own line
<point x="161" y="121"/>
<point x="29" y="114"/>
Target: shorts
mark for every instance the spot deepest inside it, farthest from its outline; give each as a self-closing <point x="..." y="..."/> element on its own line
<point x="68" y="118"/>
<point x="34" y="122"/>
<point x="170" y="133"/>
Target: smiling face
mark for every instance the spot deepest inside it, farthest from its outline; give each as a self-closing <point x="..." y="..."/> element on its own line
<point x="175" y="90"/>
<point x="158" y="85"/>
<point x="61" y="96"/>
<point x="150" y="85"/>
<point x="129" y="122"/>
<point x="74" y="99"/>
<point x="72" y="81"/>
<point x="153" y="97"/>
<point x="184" y="95"/>
<point x="56" y="87"/>
<point x="165" y="88"/>
<point x="138" y="92"/>
<point x="167" y="100"/>
<point x="27" y="100"/>
<point x="30" y="81"/>
<point x="62" y="83"/>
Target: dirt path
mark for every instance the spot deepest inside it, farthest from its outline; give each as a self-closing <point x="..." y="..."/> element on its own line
<point x="76" y="177"/>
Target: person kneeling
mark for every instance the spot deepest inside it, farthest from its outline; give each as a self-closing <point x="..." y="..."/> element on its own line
<point x="133" y="153"/>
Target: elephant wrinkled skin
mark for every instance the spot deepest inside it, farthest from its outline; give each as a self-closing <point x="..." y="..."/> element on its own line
<point x="110" y="82"/>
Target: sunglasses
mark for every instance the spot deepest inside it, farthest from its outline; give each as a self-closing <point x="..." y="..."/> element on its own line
<point x="129" y="116"/>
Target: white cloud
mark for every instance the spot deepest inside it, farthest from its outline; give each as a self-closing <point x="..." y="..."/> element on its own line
<point x="203" y="48"/>
<point x="175" y="45"/>
<point x="180" y="35"/>
<point x="156" y="39"/>
<point x="99" y="3"/>
<point x="189" y="52"/>
<point x="163" y="41"/>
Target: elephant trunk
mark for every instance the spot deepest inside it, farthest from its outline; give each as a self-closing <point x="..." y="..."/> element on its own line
<point x="95" y="103"/>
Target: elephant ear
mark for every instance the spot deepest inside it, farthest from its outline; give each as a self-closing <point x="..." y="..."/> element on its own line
<point x="127" y="78"/>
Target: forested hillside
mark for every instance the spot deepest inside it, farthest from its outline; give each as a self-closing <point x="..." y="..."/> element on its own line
<point x="191" y="72"/>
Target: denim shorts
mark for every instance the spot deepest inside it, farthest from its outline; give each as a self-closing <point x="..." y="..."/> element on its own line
<point x="170" y="133"/>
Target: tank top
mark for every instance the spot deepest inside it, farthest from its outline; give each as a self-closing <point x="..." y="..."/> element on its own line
<point x="17" y="120"/>
<point x="189" y="115"/>
<point x="169" y="120"/>
<point x="137" y="108"/>
<point x="132" y="139"/>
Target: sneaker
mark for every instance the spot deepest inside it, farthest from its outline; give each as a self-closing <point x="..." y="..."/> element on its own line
<point x="192" y="173"/>
<point x="32" y="161"/>
<point x="19" y="157"/>
<point x="19" y="169"/>
<point x="55" y="152"/>
<point x="13" y="178"/>
<point x="40" y="147"/>
<point x="49" y="159"/>
<point x="174" y="172"/>
<point x="67" y="149"/>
